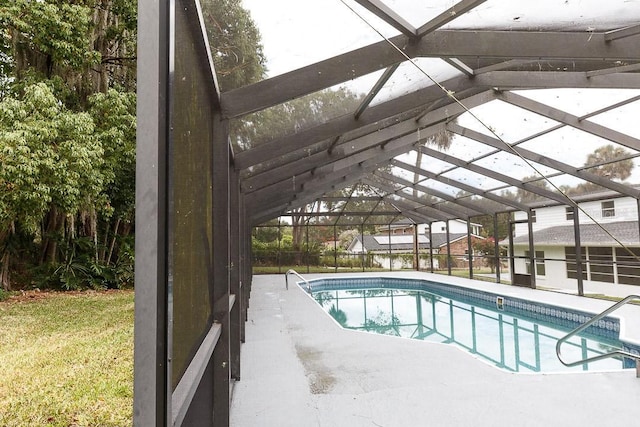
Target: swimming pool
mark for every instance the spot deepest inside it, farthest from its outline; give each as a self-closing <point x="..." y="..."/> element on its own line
<point x="513" y="334"/>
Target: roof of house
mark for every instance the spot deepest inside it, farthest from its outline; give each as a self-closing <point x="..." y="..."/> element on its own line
<point x="394" y="242"/>
<point x="405" y="241"/>
<point x="590" y="235"/>
<point x="406" y="222"/>
<point x="440" y="239"/>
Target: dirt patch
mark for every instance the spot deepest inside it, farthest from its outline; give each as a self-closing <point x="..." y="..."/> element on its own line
<point x="320" y="378"/>
<point x="21" y="297"/>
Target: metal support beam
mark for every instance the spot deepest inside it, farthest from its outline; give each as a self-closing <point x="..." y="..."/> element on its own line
<point x="151" y="391"/>
<point x="340" y="174"/>
<point x="409" y="202"/>
<point x="374" y="119"/>
<point x="620" y="69"/>
<point x="469" y="248"/>
<point x="448" y="248"/>
<point x="506" y="80"/>
<point x="335" y="248"/>
<point x="362" y="240"/>
<point x="544" y="160"/>
<point x="390" y="189"/>
<point x="532" y="253"/>
<point x="451" y="43"/>
<point x="495" y="175"/>
<point x="578" y="243"/>
<point x="468" y="207"/>
<point x="622" y="33"/>
<point x="462" y="186"/>
<point x="221" y="277"/>
<point x="347" y="153"/>
<point x="511" y="254"/>
<point x="570" y="119"/>
<point x="504" y="65"/>
<point x="375" y="89"/>
<point x="496" y="248"/>
<point x="389" y="247"/>
<point x="430" y="247"/>
<point x="459" y="65"/>
<point x="448" y="15"/>
<point x="235" y="288"/>
<point x="416" y="248"/>
<point x="389" y="16"/>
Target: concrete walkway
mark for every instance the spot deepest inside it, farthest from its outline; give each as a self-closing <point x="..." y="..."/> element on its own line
<point x="299" y="368"/>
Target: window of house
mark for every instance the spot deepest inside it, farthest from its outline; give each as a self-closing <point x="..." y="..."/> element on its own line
<point x="533" y="216"/>
<point x="572" y="266"/>
<point x="628" y="260"/>
<point x="541" y="269"/>
<point x="443" y="228"/>
<point x="570" y="211"/>
<point x="608" y="209"/>
<point x="601" y="263"/>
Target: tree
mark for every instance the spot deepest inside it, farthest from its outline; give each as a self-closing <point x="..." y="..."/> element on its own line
<point x="525" y="196"/>
<point x="290" y="117"/>
<point x="51" y="163"/>
<point x="114" y="114"/>
<point x="610" y="162"/>
<point x="346" y="237"/>
<point x="441" y="140"/>
<point x="267" y="232"/>
<point x="67" y="131"/>
<point x="486" y="249"/>
<point x="84" y="46"/>
<point x="77" y="60"/>
<point x="238" y="57"/>
<point x="294" y="116"/>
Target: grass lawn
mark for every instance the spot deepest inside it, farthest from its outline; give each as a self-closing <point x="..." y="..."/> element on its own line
<point x="66" y="359"/>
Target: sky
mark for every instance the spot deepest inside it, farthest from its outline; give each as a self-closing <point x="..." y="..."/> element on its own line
<point x="296" y="33"/>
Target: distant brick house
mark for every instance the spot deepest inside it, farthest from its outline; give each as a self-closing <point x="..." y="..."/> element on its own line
<point x="386" y="249"/>
<point x="459" y="246"/>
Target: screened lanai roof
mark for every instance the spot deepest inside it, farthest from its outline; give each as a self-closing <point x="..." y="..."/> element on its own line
<point x="529" y="92"/>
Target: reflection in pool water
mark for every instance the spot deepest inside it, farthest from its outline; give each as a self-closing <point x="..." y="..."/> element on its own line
<point x="511" y="343"/>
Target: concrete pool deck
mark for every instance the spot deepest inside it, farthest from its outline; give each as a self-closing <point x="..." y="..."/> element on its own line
<point x="299" y="368"/>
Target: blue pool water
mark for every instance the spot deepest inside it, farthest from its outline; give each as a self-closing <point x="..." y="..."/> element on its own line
<point x="515" y="335"/>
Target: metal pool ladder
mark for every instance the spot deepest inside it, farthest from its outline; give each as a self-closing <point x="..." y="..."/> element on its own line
<point x="292" y="271"/>
<point x="600" y="356"/>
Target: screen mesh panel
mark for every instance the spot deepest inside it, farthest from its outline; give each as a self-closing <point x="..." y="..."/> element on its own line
<point x="190" y="268"/>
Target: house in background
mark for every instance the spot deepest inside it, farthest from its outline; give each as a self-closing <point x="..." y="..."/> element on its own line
<point x="394" y="249"/>
<point x="389" y="251"/>
<point x="405" y="226"/>
<point x="605" y="222"/>
<point x="456" y="226"/>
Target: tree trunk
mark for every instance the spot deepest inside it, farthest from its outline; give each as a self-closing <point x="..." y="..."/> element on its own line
<point x="5" y="261"/>
<point x="55" y="224"/>
<point x="297" y="231"/>
<point x="113" y="240"/>
<point x="5" y="272"/>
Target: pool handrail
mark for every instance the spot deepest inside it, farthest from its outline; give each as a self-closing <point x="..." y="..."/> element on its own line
<point x="600" y="356"/>
<point x="292" y="271"/>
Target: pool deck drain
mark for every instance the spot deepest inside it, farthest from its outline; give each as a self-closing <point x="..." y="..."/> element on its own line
<point x="299" y="368"/>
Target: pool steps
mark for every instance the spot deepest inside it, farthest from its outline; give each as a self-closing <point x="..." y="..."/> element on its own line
<point x="590" y="322"/>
